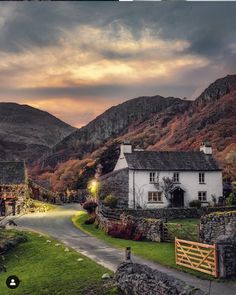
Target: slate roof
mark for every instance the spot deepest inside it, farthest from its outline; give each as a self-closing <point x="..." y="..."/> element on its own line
<point x="171" y="161"/>
<point x="12" y="173"/>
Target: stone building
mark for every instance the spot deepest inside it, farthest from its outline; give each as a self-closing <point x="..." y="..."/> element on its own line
<point x="13" y="187"/>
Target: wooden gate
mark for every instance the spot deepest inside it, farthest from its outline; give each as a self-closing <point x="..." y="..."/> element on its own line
<point x="198" y="256"/>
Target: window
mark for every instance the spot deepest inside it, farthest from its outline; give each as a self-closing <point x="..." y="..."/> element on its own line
<point x="202" y="196"/>
<point x="155" y="197"/>
<point x="176" y="177"/>
<point x="201" y="177"/>
<point x="154" y="177"/>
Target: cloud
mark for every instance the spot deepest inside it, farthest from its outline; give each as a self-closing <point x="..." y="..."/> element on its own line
<point x="68" y="55"/>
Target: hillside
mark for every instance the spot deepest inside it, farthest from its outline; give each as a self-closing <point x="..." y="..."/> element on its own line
<point x="27" y="133"/>
<point x="114" y="122"/>
<point x="155" y="123"/>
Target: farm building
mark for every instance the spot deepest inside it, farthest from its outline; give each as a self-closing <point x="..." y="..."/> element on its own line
<point x="13" y="187"/>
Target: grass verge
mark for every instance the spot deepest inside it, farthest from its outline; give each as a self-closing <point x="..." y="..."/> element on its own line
<point x="42" y="206"/>
<point x="163" y="253"/>
<point x="45" y="268"/>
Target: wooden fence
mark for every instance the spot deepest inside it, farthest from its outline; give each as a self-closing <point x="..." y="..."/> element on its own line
<point x="198" y="256"/>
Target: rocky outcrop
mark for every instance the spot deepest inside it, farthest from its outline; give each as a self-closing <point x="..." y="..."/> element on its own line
<point x="137" y="279"/>
<point x="217" y="89"/>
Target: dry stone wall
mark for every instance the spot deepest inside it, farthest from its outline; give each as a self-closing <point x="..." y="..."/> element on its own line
<point x="217" y="224"/>
<point x="220" y="228"/>
<point x="151" y="229"/>
<point x="138" y="279"/>
<point x="169" y="213"/>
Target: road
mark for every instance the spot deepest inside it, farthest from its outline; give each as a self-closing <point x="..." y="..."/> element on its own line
<point x="57" y="223"/>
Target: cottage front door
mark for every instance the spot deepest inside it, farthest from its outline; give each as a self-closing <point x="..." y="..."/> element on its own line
<point x="178" y="197"/>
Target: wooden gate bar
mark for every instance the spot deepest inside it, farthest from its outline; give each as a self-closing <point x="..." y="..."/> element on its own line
<point x="197" y="256"/>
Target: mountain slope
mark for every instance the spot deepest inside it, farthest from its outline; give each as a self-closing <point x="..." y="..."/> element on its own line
<point x="115" y="122"/>
<point x="27" y="133"/>
<point x="155" y="123"/>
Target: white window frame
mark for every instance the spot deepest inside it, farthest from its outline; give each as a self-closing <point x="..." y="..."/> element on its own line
<point x="158" y="197"/>
<point x="176" y="177"/>
<point x="201" y="177"/>
<point x="153" y="177"/>
<point x="202" y="196"/>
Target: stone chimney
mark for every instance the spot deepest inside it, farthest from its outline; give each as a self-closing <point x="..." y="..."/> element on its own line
<point x="125" y="148"/>
<point x="206" y="148"/>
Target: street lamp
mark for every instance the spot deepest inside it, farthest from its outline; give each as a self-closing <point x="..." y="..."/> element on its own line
<point x="94" y="186"/>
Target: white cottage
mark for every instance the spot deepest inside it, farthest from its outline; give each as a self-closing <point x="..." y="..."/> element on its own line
<point x="196" y="176"/>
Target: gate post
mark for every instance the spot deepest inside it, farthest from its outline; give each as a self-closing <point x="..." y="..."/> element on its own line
<point x="226" y="256"/>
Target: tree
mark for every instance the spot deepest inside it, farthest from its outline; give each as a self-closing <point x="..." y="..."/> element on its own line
<point x="166" y="186"/>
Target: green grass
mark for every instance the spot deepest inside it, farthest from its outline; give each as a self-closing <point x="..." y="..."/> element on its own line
<point x="43" y="205"/>
<point x="163" y="253"/>
<point x="45" y="269"/>
<point x="187" y="231"/>
<point x="187" y="221"/>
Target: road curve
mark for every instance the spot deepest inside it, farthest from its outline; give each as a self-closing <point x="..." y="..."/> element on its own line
<point x="57" y="223"/>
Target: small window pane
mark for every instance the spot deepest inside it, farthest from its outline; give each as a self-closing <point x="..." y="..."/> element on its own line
<point x="202" y="196"/>
<point x="201" y="177"/>
<point x="155" y="197"/>
<point x="176" y="177"/>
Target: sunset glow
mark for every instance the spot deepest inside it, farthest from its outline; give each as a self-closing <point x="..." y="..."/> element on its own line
<point x="76" y="65"/>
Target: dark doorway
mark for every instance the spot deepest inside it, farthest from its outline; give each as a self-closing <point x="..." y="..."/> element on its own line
<point x="2" y="207"/>
<point x="178" y="197"/>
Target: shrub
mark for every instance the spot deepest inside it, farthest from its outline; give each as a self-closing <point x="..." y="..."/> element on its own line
<point x="110" y="201"/>
<point x="195" y="204"/>
<point x="231" y="200"/>
<point x="90" y="206"/>
<point x="126" y="231"/>
<point x="90" y="220"/>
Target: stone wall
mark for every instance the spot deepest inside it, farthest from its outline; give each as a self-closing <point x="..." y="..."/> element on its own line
<point x="116" y="184"/>
<point x="169" y="213"/>
<point x="151" y="229"/>
<point x="226" y="246"/>
<point x="138" y="279"/>
<point x="220" y="228"/>
<point x="214" y="225"/>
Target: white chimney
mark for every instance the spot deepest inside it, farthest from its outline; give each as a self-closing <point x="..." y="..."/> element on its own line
<point x="206" y="148"/>
<point x="125" y="148"/>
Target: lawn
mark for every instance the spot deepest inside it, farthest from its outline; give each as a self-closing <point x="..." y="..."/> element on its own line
<point x="187" y="221"/>
<point x="163" y="253"/>
<point x="186" y="229"/>
<point x="47" y="269"/>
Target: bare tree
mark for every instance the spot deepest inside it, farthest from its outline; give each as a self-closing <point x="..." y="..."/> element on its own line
<point x="166" y="186"/>
<point x="139" y="196"/>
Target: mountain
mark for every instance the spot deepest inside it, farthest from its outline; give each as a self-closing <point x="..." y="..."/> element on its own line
<point x="27" y="133"/>
<point x="154" y="123"/>
<point x="116" y="121"/>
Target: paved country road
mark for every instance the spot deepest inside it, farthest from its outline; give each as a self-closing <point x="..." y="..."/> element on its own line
<point x="58" y="224"/>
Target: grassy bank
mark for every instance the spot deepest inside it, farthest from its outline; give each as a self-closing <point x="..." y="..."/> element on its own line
<point x="163" y="253"/>
<point x="41" y="206"/>
<point x="45" y="268"/>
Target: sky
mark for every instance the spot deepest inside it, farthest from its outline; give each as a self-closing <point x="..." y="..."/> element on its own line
<point x="77" y="59"/>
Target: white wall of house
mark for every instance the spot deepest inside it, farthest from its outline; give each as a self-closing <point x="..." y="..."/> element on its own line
<point x="139" y="185"/>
